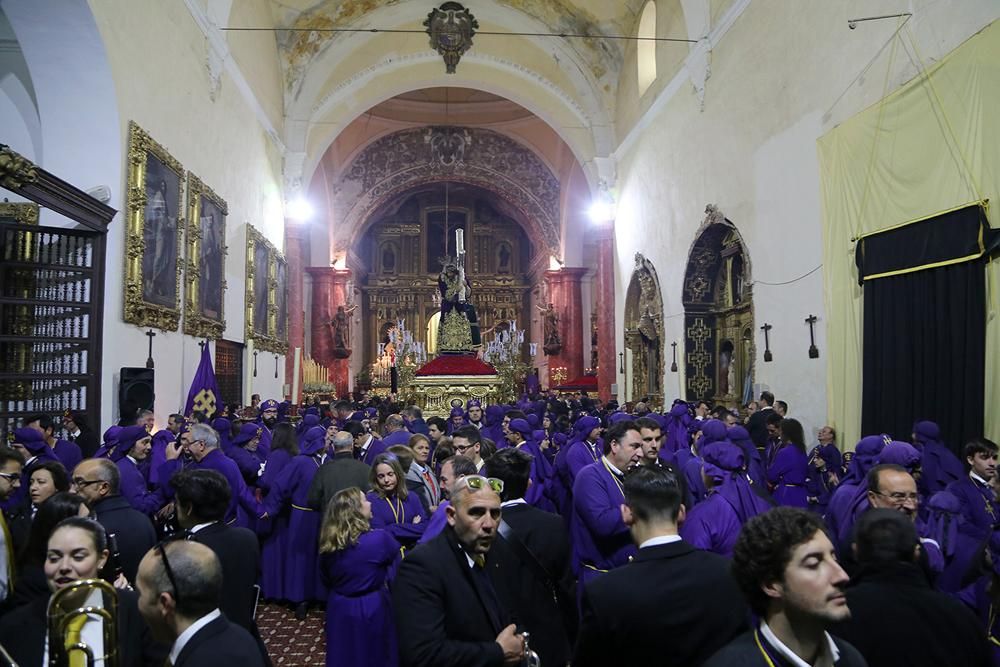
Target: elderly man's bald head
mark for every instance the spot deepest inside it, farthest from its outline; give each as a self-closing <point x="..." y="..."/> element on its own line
<point x="195" y="586"/>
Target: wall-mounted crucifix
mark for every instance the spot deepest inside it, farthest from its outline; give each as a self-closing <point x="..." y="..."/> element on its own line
<point x="813" y="350"/>
<point x="255" y="363"/>
<point x="767" y="341"/>
<point x="149" y="359"/>
<point x="275" y="367"/>
<point x="673" y="366"/>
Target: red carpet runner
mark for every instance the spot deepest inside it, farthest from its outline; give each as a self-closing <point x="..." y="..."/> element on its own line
<point x="290" y="642"/>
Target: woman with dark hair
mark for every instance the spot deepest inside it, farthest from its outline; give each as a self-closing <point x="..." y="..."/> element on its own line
<point x="284" y="445"/>
<point x="787" y="475"/>
<point x="47" y="479"/>
<point x="31" y="581"/>
<point x="357" y="564"/>
<point x="77" y="550"/>
<point x="393" y="507"/>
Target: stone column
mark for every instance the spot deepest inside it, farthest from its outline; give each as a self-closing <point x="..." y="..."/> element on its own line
<point x="294" y="234"/>
<point x="340" y="369"/>
<point x="320" y="309"/>
<point x="605" y="287"/>
<point x="567" y="299"/>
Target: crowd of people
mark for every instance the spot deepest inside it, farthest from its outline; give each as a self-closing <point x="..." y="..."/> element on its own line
<point x="582" y="533"/>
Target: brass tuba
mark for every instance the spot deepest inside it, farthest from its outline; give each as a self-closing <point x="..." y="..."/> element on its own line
<point x="87" y="600"/>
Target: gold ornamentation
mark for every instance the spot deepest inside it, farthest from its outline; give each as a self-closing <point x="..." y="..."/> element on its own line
<point x="455" y="334"/>
<point x="22" y="213"/>
<point x="267" y="338"/>
<point x="451" y="28"/>
<point x="15" y="169"/>
<point x="199" y="272"/>
<point x="434" y="394"/>
<point x="139" y="288"/>
<point x="557" y="375"/>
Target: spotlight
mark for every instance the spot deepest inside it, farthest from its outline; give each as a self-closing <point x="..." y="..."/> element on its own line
<point x="852" y="24"/>
<point x="601" y="211"/>
<point x="299" y="209"/>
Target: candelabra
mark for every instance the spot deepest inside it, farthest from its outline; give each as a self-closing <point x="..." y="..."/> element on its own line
<point x="504" y="354"/>
<point x="403" y="353"/>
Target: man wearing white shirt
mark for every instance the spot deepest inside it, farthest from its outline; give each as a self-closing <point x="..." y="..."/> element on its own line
<point x="180" y="585"/>
<point x="631" y="615"/>
<point x="787" y="569"/>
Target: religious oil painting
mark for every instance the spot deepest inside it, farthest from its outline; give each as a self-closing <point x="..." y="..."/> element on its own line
<point x="266" y="295"/>
<point x="154" y="236"/>
<point x="205" y="287"/>
<point x="281" y="294"/>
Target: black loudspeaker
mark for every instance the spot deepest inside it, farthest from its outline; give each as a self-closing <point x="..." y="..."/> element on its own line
<point x="135" y="390"/>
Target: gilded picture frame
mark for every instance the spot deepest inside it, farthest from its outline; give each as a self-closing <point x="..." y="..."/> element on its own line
<point x="154" y="237"/>
<point x="205" y="281"/>
<point x="262" y="295"/>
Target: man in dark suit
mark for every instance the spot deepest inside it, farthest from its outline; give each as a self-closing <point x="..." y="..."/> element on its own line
<point x="99" y="482"/>
<point x="447" y="611"/>
<point x="179" y="586"/>
<point x="341" y="471"/>
<point x="673" y="604"/>
<point x="533" y="576"/>
<point x="896" y="617"/>
<point x="757" y="424"/>
<point x="201" y="498"/>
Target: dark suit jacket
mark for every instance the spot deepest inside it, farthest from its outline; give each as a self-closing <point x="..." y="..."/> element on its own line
<point x="220" y="643"/>
<point x="133" y="531"/>
<point x="340" y="472"/>
<point x="898" y="619"/>
<point x="743" y="652"/>
<point x="757" y="427"/>
<point x="441" y="616"/>
<point x="670" y="595"/>
<point x="239" y="555"/>
<point x="88" y="443"/>
<point x="550" y="621"/>
<point x="22" y="633"/>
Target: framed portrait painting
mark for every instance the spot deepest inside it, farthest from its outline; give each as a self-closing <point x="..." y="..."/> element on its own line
<point x="154" y="235"/>
<point x="205" y="288"/>
<point x="266" y="316"/>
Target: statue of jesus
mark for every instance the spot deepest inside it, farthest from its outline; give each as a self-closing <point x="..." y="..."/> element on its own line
<point x="459" y="328"/>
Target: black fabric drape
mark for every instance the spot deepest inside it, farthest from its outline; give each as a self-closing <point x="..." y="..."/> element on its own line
<point x="924" y="344"/>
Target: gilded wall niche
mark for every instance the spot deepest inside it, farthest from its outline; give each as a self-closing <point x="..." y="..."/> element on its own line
<point x="644" y="331"/>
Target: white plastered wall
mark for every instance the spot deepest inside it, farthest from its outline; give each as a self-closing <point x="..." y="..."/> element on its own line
<point x="96" y="67"/>
<point x="775" y="87"/>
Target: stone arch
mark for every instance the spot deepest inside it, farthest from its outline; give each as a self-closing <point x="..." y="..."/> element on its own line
<point x="718" y="314"/>
<point x="409" y="158"/>
<point x="644" y="331"/>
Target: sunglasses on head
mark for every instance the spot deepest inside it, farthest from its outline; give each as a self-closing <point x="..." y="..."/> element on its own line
<point x="478" y="483"/>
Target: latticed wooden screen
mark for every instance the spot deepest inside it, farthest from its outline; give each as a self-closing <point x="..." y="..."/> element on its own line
<point x="51" y="307"/>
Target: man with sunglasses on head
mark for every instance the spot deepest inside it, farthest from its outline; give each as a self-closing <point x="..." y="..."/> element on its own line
<point x="447" y="611"/>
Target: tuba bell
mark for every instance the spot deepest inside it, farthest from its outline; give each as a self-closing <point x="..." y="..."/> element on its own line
<point x="88" y="602"/>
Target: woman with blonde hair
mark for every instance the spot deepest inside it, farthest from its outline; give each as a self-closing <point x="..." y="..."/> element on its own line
<point x="357" y="563"/>
<point x="393" y="506"/>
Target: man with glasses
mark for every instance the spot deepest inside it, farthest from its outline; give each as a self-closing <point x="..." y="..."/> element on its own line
<point x="99" y="482"/>
<point x="180" y="588"/>
<point x="447" y="611"/>
<point x="10" y="481"/>
<point x="467" y="443"/>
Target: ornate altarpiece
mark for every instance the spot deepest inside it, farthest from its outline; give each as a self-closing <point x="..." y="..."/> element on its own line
<point x="398" y="257"/>
<point x="718" y="314"/>
<point x="644" y="331"/>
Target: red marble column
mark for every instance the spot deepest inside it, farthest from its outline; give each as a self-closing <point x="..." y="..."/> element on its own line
<point x="340" y="369"/>
<point x="321" y="314"/>
<point x="567" y="299"/>
<point x="294" y="234"/>
<point x="607" y="365"/>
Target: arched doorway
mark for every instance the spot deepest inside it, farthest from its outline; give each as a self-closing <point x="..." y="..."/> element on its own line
<point x="718" y="315"/>
<point x="644" y="332"/>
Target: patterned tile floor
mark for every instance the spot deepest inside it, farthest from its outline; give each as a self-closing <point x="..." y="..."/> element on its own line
<point x="291" y="642"/>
